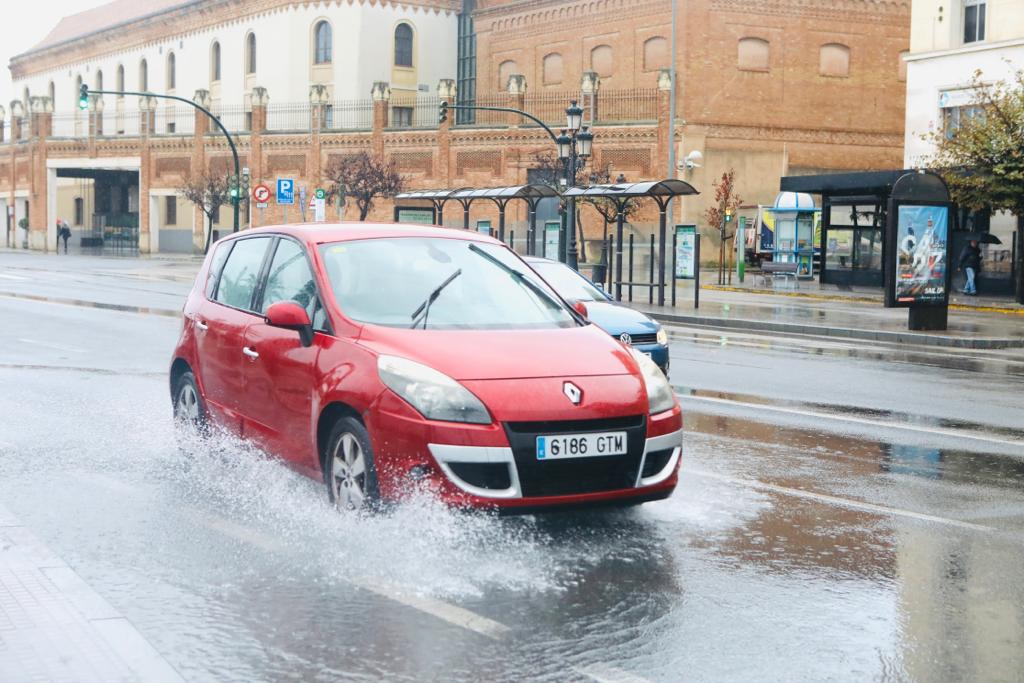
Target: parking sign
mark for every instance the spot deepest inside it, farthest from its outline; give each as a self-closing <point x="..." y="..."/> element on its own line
<point x="285" y="191"/>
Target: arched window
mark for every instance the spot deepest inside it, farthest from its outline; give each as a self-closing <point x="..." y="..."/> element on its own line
<point x="215" y="62"/>
<point x="26" y="94"/>
<point x="552" y="69"/>
<point x="834" y="60"/>
<point x="250" y="54"/>
<point x="99" y="79"/>
<point x="601" y="60"/>
<point x="53" y="96"/>
<point x="171" y="75"/>
<point x="753" y="54"/>
<point x="322" y="39"/>
<point x="120" y="78"/>
<point x="505" y="71"/>
<point x="655" y="53"/>
<point x="79" y="211"/>
<point x="143" y="76"/>
<point x="403" y="45"/>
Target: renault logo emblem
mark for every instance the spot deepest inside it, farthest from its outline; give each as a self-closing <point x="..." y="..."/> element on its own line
<point x="572" y="392"/>
<point x="626" y="339"/>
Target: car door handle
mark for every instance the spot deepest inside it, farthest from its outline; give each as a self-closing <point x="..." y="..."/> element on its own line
<point x="202" y="326"/>
<point x="249" y="352"/>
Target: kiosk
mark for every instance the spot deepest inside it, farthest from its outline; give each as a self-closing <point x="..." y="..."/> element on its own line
<point x="795" y="217"/>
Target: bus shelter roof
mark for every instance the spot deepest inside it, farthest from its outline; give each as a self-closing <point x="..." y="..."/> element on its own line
<point x="429" y="194"/>
<point x="533" y="191"/>
<point x="670" y="187"/>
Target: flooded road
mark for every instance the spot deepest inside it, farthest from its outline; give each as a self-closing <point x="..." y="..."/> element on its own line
<point x="840" y="516"/>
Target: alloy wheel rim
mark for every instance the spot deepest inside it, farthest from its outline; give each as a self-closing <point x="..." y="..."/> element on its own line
<point x="187" y="409"/>
<point x="348" y="471"/>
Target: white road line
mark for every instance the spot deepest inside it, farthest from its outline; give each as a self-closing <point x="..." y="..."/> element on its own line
<point x="602" y="673"/>
<point x="902" y="426"/>
<point x="51" y="345"/>
<point x="842" y="502"/>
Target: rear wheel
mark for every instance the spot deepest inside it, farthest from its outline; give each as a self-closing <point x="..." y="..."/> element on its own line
<point x="349" y="469"/>
<point x="189" y="410"/>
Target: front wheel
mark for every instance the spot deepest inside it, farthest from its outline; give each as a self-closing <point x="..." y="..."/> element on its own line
<point x="349" y="470"/>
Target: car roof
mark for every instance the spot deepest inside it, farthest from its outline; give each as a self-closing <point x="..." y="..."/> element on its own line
<point x="321" y="233"/>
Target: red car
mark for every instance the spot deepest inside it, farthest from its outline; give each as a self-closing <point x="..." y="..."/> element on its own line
<point x="382" y="358"/>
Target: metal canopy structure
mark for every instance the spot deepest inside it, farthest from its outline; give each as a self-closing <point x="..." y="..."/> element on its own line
<point x="661" y="191"/>
<point x="531" y="194"/>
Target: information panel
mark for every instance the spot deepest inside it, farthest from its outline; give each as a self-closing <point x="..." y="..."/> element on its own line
<point x="414" y="215"/>
<point x="922" y="233"/>
<point x="551" y="232"/>
<point x="686" y="237"/>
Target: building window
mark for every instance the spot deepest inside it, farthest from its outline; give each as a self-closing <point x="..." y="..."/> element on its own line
<point x="954" y="117"/>
<point x="401" y="117"/>
<point x="322" y="38"/>
<point x="99" y="80"/>
<point x="552" y="69"/>
<point x="505" y="71"/>
<point x="250" y="54"/>
<point x="143" y="76"/>
<point x="974" y="21"/>
<point x="215" y="62"/>
<point x="403" y="45"/>
<point x="834" y="60"/>
<point x="79" y="211"/>
<point x="466" y="66"/>
<point x="753" y="54"/>
<point x="171" y="76"/>
<point x="171" y="211"/>
<point x="655" y="53"/>
<point x="120" y="78"/>
<point x="53" y="96"/>
<point x="601" y="60"/>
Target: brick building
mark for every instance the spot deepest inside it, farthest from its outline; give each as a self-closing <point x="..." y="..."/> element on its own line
<point x="768" y="87"/>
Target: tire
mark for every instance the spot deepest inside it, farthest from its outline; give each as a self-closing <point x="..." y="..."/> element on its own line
<point x="349" y="469"/>
<point x="189" y="409"/>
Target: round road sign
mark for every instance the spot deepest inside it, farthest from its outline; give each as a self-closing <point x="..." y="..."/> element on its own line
<point x="261" y="193"/>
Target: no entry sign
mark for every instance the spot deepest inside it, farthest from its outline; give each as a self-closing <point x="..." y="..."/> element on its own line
<point x="261" y="193"/>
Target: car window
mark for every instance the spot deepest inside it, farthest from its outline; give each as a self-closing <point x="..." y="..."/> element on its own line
<point x="241" y="273"/>
<point x="220" y="254"/>
<point x="392" y="281"/>
<point x="568" y="283"/>
<point x="289" y="278"/>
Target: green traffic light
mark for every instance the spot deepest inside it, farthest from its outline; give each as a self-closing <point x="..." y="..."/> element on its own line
<point x="83" y="97"/>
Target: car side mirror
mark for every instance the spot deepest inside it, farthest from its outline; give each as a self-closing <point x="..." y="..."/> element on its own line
<point x="580" y="308"/>
<point x="291" y="316"/>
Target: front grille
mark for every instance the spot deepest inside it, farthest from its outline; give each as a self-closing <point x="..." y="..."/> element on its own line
<point x="641" y="339"/>
<point x="571" y="476"/>
<point x="483" y="475"/>
<point x="655" y="462"/>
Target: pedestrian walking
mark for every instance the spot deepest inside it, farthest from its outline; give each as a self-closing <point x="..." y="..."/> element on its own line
<point x="970" y="263"/>
<point x="63" y="233"/>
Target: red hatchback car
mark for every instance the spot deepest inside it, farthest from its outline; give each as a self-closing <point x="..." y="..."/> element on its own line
<point x="385" y="357"/>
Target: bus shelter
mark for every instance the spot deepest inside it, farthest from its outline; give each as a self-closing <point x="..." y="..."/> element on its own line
<point x="532" y="194"/>
<point x="662" y="192"/>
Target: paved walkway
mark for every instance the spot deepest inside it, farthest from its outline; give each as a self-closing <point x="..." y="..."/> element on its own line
<point x="54" y="627"/>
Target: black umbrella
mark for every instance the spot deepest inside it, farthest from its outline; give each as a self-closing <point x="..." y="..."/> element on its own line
<point x="982" y="238"/>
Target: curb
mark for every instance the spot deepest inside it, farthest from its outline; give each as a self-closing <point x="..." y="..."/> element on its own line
<point x="855" y="299"/>
<point x="842" y="332"/>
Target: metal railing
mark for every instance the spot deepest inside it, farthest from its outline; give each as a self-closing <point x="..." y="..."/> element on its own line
<point x="288" y="116"/>
<point x="234" y="118"/>
<point x="349" y="115"/>
<point x="634" y="105"/>
<point x="175" y="120"/>
<point x="488" y="119"/>
<point x="419" y="113"/>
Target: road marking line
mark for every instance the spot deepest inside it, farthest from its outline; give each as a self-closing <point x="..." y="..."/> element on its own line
<point x="842" y="502"/>
<point x="602" y="673"/>
<point x="931" y="431"/>
<point x="51" y="345"/>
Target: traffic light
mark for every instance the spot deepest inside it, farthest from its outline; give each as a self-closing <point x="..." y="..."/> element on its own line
<point x="244" y="191"/>
<point x="83" y="97"/>
<point x="442" y="112"/>
<point x="728" y="215"/>
<point x="233" y="187"/>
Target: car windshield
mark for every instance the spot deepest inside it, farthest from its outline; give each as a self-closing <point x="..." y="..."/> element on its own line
<point x="390" y="281"/>
<point x="567" y="282"/>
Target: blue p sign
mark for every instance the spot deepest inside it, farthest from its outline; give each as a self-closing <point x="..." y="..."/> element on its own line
<point x="285" y="191"/>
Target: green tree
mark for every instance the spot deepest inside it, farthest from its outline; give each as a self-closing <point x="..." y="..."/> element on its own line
<point x="982" y="159"/>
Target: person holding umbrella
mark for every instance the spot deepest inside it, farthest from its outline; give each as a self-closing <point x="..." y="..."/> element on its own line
<point x="970" y="263"/>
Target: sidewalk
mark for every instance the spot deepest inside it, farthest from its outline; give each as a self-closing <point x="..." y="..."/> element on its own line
<point x="53" y="626"/>
<point x="992" y="324"/>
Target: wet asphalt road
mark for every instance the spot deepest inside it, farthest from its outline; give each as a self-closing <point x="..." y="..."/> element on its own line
<point x="845" y="513"/>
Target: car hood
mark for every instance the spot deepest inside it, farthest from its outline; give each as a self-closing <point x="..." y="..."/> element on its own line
<point x="506" y="354"/>
<point x="615" y="319"/>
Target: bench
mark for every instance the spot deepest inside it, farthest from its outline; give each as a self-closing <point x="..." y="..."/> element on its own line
<point x="771" y="269"/>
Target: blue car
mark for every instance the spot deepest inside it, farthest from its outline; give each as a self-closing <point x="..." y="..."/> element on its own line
<point x="630" y="326"/>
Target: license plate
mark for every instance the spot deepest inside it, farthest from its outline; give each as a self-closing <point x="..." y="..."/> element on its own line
<point x="581" y="445"/>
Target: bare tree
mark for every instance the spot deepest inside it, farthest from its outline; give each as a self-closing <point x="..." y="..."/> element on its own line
<point x="726" y="203"/>
<point x="209" y="191"/>
<point x="364" y="177"/>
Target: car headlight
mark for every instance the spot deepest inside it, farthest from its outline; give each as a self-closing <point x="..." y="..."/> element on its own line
<point x="434" y="394"/>
<point x="659" y="393"/>
<point x="662" y="337"/>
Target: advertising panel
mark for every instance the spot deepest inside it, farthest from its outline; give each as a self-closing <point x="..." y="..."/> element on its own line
<point x="922" y="234"/>
<point x="414" y="215"/>
<point x="552" y="229"/>
<point x="686" y="237"/>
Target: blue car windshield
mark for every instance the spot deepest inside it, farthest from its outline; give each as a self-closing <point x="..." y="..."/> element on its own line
<point x="567" y="282"/>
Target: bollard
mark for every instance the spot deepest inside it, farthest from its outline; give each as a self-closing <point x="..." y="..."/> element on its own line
<point x="696" y="271"/>
<point x="650" y="274"/>
<point x="674" y="240"/>
<point x="630" y="275"/>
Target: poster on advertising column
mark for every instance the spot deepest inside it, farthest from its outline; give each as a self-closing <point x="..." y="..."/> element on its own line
<point x="922" y="233"/>
<point x="686" y="237"/>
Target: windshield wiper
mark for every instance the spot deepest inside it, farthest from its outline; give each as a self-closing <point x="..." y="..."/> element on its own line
<point x="424" y="309"/>
<point x="520" y="278"/>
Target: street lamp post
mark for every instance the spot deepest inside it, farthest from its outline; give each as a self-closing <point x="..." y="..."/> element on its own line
<point x="575" y="145"/>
